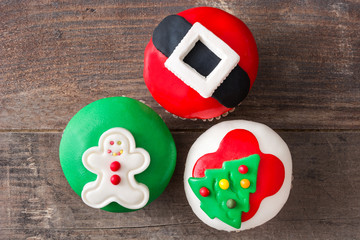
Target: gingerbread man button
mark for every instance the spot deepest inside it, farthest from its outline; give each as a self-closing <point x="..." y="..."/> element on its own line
<point x="115" y="161"/>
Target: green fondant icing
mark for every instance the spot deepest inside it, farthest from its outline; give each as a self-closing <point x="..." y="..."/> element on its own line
<point x="149" y="131"/>
<point x="215" y="205"/>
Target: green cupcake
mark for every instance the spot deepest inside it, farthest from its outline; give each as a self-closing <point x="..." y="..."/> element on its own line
<point x="117" y="154"/>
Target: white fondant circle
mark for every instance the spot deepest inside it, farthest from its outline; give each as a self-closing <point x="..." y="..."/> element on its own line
<point x="269" y="142"/>
<point x="128" y="193"/>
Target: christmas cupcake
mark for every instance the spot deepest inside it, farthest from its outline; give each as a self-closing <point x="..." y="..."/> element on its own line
<point x="117" y="154"/>
<point x="238" y="175"/>
<point x="200" y="63"/>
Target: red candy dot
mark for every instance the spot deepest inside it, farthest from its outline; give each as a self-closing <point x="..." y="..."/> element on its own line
<point x="243" y="169"/>
<point x="111" y="142"/>
<point x="109" y="151"/>
<point x="114" y="166"/>
<point x="115" y="179"/>
<point x="204" y="192"/>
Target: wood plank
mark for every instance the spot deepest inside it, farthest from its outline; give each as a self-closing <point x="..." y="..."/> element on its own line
<point x="56" y="57"/>
<point x="37" y="203"/>
<point x="297" y="230"/>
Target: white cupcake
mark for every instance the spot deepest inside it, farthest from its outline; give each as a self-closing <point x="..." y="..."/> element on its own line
<point x="238" y="175"/>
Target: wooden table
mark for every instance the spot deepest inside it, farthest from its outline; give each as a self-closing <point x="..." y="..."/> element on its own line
<point x="58" y="56"/>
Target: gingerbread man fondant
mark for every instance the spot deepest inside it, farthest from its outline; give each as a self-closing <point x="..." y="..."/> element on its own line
<point x="115" y="161"/>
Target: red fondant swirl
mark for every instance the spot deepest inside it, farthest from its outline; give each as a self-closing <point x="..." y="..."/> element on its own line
<point x="241" y="143"/>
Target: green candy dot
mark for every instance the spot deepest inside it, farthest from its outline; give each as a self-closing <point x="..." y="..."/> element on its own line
<point x="231" y="203"/>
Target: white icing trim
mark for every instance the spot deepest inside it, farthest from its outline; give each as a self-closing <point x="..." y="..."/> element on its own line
<point x="269" y="141"/>
<point x="128" y="193"/>
<point x="205" y="86"/>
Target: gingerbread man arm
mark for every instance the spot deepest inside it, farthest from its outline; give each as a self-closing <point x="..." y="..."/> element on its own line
<point x="138" y="161"/>
<point x="92" y="160"/>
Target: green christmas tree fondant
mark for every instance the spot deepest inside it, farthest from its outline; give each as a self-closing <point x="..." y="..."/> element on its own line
<point x="224" y="193"/>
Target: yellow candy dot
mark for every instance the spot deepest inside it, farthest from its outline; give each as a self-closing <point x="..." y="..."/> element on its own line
<point x="245" y="183"/>
<point x="114" y="154"/>
<point x="121" y="151"/>
<point x="224" y="184"/>
<point x="118" y="142"/>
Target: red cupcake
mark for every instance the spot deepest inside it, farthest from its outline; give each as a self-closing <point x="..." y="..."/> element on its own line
<point x="200" y="63"/>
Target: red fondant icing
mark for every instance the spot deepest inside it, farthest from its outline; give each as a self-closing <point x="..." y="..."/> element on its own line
<point x="241" y="143"/>
<point x="172" y="93"/>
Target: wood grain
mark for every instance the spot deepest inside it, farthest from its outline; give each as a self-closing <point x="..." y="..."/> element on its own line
<point x="36" y="201"/>
<point x="56" y="57"/>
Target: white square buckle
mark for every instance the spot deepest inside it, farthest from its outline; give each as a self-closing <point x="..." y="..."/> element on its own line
<point x="204" y="85"/>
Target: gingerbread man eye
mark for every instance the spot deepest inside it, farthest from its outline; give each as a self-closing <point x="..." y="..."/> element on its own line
<point x="118" y="142"/>
<point x="111" y="142"/>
